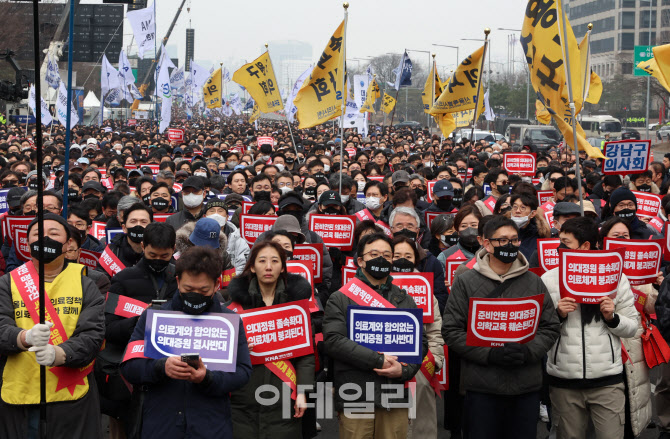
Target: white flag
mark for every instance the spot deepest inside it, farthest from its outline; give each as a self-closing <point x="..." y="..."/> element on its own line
<point x="488" y="111"/>
<point x="114" y="97"/>
<point x="144" y="28"/>
<point x="199" y="75"/>
<point x="225" y="75"/>
<point x="236" y="103"/>
<point x="360" y="89"/>
<point x="52" y="76"/>
<point x="125" y="70"/>
<point x="166" y="114"/>
<point x="61" y="108"/>
<point x="290" y="109"/>
<point x="177" y="79"/>
<point x="46" y="116"/>
<point x="165" y="92"/>
<point x="109" y="77"/>
<point x="135" y="92"/>
<point x="227" y="111"/>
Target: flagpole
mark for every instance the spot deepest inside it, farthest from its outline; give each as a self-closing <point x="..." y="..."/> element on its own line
<point x="587" y="73"/>
<point x="68" y="130"/>
<point x="397" y="92"/>
<point x="432" y="93"/>
<point x="285" y="114"/>
<point x="345" y="5"/>
<point x="566" y="57"/>
<point x="487" y="31"/>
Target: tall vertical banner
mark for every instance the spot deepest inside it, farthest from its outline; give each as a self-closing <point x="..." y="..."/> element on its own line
<point x="460" y="93"/>
<point x="258" y="78"/>
<point x="211" y="91"/>
<point x="320" y="98"/>
<point x="144" y="28"/>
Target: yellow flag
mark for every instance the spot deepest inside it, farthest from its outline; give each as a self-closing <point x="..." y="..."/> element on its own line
<point x="542" y="40"/>
<point x="428" y="95"/>
<point x="661" y="54"/>
<point x="258" y="78"/>
<point x="464" y="118"/>
<point x="582" y="144"/>
<point x="211" y="91"/>
<point x="370" y="97"/>
<point x="592" y="86"/>
<point x="446" y="123"/>
<point x="388" y="103"/>
<point x="595" y="89"/>
<point x="541" y="113"/>
<point x="320" y="98"/>
<point x="255" y="113"/>
<point x="651" y="66"/>
<point x="461" y="91"/>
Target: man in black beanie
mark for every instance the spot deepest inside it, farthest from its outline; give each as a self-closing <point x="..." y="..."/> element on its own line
<point x="622" y="203"/>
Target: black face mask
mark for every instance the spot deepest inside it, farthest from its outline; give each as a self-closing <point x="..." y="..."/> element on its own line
<point x="644" y="188"/>
<point x="503" y="189"/>
<point x="195" y="303"/>
<point x="403" y="265"/>
<point x="32" y="185"/>
<point x="606" y="195"/>
<point x="289" y="255"/>
<point x="160" y="203"/>
<point x="626" y="214"/>
<point x="319" y="175"/>
<point x="310" y="191"/>
<point x="30" y="213"/>
<point x="132" y="182"/>
<point x="332" y="211"/>
<point x="136" y="234"/>
<point x="444" y="204"/>
<point x="453" y="238"/>
<point x="83" y="234"/>
<point x="73" y="195"/>
<point x="147" y="199"/>
<point x="378" y="268"/>
<point x="9" y="185"/>
<point x="262" y="196"/>
<point x="458" y="197"/>
<point x="419" y="192"/>
<point x="506" y="253"/>
<point x="157" y="265"/>
<point x="563" y="246"/>
<point x="408" y="233"/>
<point x="90" y="155"/>
<point x="90" y="196"/>
<point x="52" y="250"/>
<point x="468" y="238"/>
<point x="289" y="160"/>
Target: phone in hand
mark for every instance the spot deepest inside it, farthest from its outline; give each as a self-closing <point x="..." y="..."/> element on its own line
<point x="192" y="360"/>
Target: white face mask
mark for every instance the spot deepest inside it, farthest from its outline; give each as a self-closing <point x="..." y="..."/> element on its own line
<point x="280" y="167"/>
<point x="361" y="186"/>
<point x="521" y="221"/>
<point x="200" y="174"/>
<point x="429" y="164"/>
<point x="344" y="198"/>
<point x="326" y="168"/>
<point x="219" y="219"/>
<point x="285" y="189"/>
<point x="193" y="200"/>
<point x="373" y="203"/>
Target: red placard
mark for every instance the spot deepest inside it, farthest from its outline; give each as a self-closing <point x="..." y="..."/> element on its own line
<point x="246" y="206"/>
<point x="429" y="190"/>
<point x="430" y="216"/>
<point x="420" y="287"/>
<point x="265" y="140"/>
<point x="305" y="270"/>
<point x="520" y="163"/>
<point x="131" y="122"/>
<point x="452" y="264"/>
<point x="12" y="222"/>
<point x="588" y="275"/>
<point x="335" y="230"/>
<point x="175" y="135"/>
<point x="544" y="197"/>
<point x="109" y="183"/>
<point x="351" y="152"/>
<point x="656" y="223"/>
<point x="375" y="177"/>
<point x="21" y="244"/>
<point x="547" y="253"/>
<point x="177" y="187"/>
<point x="549" y="217"/>
<point x="494" y="322"/>
<point x="642" y="258"/>
<point x="98" y="230"/>
<point x="252" y="226"/>
<point x="278" y="332"/>
<point x="154" y="168"/>
<point x="162" y="217"/>
<point x="227" y="276"/>
<point x="348" y="273"/>
<point x="311" y="253"/>
<point x="89" y="258"/>
<point x="349" y="261"/>
<point x="648" y="204"/>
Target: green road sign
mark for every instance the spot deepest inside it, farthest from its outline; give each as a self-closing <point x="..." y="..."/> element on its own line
<point x="642" y="53"/>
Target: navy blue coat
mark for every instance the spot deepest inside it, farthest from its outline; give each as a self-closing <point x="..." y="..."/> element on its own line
<point x="177" y="409"/>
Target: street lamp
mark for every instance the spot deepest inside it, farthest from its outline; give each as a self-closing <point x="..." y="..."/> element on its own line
<point x="527" y="70"/>
<point x="458" y="59"/>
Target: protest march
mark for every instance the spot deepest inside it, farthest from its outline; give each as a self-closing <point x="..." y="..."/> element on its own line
<point x="287" y="262"/>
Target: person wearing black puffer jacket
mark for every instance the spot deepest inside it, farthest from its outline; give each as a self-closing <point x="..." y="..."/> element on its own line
<point x="265" y="282"/>
<point x="622" y="203"/>
<point x="152" y="278"/>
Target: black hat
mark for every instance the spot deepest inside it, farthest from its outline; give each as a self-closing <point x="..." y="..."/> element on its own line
<point x="290" y="199"/>
<point x="14" y="197"/>
<point x="329" y="198"/>
<point x="53" y="217"/>
<point x="194" y="182"/>
<point x="566" y="208"/>
<point x="93" y="185"/>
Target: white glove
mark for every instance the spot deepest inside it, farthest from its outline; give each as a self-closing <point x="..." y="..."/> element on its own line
<point x="39" y="334"/>
<point x="45" y="355"/>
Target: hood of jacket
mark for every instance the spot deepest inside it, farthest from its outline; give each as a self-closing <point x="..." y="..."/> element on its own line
<point x="519" y="267"/>
<point x="244" y="290"/>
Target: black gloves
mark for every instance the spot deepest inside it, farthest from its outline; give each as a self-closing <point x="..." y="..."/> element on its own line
<point x="510" y="355"/>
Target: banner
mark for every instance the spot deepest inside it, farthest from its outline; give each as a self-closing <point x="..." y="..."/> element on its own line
<point x="493" y="322"/>
<point x="3" y="199"/>
<point x="420" y="287"/>
<point x="403" y="73"/>
<point x="211" y="91"/>
<point x="648" y="204"/>
<point x="520" y="163"/>
<point x="371" y="96"/>
<point x="12" y="222"/>
<point x="430" y="216"/>
<point x="388" y="103"/>
<point x="89" y="258"/>
<point x="460" y="93"/>
<point x="144" y="28"/>
<point x="162" y="217"/>
<point x="642" y="258"/>
<point x="391" y="331"/>
<point x="258" y="78"/>
<point x="432" y="89"/>
<point x="175" y="135"/>
<point x="252" y="226"/>
<point x="52" y="73"/>
<point x="305" y="270"/>
<point x="109" y="77"/>
<point x="588" y="275"/>
<point x="278" y="332"/>
<point x="61" y="108"/>
<point x="335" y="230"/>
<point x="348" y="273"/>
<point x="98" y="230"/>
<point x="625" y="157"/>
<point x="290" y="108"/>
<point x="452" y="263"/>
<point x="547" y="253"/>
<point x="544" y="197"/>
<point x="320" y="98"/>
<point x="265" y="140"/>
<point x="211" y="335"/>
<point x="32" y="101"/>
<point x="20" y="244"/>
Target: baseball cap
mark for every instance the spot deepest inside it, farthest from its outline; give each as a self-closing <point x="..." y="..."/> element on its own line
<point x="83" y="161"/>
<point x="93" y="185"/>
<point x="566" y="208"/>
<point x="91" y="141"/>
<point x="206" y="233"/>
<point x="14" y="197"/>
<point x="193" y="182"/>
<point x="329" y="198"/>
<point x="443" y="188"/>
<point x="289" y="224"/>
<point x="290" y="199"/>
<point x="400" y="177"/>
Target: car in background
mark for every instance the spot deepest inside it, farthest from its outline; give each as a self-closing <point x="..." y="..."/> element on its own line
<point x="630" y="134"/>
<point x="409" y="124"/>
<point x="663" y="132"/>
<point x="466" y="133"/>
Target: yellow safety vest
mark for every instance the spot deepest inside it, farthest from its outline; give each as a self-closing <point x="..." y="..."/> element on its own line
<point x="21" y="376"/>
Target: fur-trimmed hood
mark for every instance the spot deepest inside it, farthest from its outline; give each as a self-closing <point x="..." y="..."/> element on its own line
<point x="244" y="290"/>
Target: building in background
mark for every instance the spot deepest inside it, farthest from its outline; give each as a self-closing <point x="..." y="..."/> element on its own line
<point x="190" y="48"/>
<point x="289" y="58"/>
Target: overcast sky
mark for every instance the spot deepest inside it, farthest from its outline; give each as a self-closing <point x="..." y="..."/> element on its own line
<point x="233" y="31"/>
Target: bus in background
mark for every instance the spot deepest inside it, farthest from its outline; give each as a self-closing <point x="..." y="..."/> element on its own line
<point x="599" y="126"/>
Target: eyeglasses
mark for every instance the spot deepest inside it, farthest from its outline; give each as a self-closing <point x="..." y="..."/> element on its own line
<point x="375" y="254"/>
<point x="629" y="205"/>
<point x="504" y="241"/>
<point x="10" y="181"/>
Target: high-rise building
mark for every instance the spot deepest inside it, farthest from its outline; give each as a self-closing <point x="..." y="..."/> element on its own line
<point x="190" y="48"/>
<point x="619" y="26"/>
<point x="289" y="59"/>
